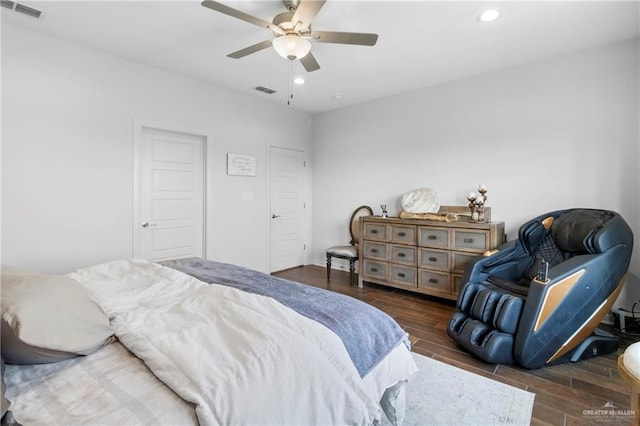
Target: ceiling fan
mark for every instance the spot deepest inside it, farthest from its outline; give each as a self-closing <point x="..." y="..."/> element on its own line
<point x="292" y="31"/>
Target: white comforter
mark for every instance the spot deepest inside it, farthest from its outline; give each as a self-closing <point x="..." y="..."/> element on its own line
<point x="241" y="358"/>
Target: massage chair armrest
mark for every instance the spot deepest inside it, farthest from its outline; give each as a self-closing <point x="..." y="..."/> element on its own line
<point x="508" y="253"/>
<point x="590" y="265"/>
<point x="597" y="267"/>
<point x="568" y="267"/>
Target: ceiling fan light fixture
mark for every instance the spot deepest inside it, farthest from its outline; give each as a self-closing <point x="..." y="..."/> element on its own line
<point x="291" y="46"/>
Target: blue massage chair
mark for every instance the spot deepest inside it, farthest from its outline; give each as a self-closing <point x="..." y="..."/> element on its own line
<point x="538" y="300"/>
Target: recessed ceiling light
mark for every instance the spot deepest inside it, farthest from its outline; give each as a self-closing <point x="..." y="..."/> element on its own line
<point x="489" y="15"/>
<point x="298" y="80"/>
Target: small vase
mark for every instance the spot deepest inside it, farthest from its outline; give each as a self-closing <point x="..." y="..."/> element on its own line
<point x="480" y="211"/>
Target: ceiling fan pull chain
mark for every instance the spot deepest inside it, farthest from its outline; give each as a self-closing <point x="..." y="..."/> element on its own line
<point x="289" y="85"/>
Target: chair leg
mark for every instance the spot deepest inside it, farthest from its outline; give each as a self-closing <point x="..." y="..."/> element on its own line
<point x="352" y="271"/>
<point x="328" y="267"/>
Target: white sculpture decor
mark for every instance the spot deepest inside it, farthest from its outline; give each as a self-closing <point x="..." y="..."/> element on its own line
<point x="423" y="200"/>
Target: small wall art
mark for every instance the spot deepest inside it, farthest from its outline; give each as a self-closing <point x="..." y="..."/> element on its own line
<point x="241" y="164"/>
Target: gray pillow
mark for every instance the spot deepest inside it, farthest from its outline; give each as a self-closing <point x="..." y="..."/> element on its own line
<point x="48" y="318"/>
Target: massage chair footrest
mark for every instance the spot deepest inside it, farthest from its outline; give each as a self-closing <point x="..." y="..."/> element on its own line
<point x="481" y="340"/>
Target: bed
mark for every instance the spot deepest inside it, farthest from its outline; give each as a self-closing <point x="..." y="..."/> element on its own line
<point x="192" y="341"/>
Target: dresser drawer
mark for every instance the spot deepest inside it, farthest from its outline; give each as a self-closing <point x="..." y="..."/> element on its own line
<point x="372" y="269"/>
<point x="434" y="259"/>
<point x="404" y="275"/>
<point x="403" y="234"/>
<point x="436" y="281"/>
<point x="375" y="231"/>
<point x="460" y="260"/>
<point x="433" y="237"/>
<point x="470" y="240"/>
<point x="403" y="254"/>
<point x="375" y="250"/>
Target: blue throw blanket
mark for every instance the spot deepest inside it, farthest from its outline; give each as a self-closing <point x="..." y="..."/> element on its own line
<point x="368" y="333"/>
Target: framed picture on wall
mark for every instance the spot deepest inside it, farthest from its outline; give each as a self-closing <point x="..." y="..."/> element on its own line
<point x="241" y="164"/>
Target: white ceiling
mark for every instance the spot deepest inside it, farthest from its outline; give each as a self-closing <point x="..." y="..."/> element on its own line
<point x="421" y="43"/>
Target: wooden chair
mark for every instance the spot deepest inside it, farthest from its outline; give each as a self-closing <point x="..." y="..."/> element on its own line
<point x="629" y="369"/>
<point x="349" y="252"/>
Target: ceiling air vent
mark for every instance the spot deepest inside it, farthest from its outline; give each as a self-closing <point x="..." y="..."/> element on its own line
<point x="265" y="90"/>
<point x="21" y="8"/>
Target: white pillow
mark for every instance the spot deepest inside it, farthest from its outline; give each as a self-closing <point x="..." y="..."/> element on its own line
<point x="48" y="318"/>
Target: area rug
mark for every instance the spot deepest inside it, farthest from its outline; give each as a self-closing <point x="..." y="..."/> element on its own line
<point x="440" y="394"/>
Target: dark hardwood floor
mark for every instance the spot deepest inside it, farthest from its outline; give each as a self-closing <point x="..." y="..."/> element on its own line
<point x="563" y="392"/>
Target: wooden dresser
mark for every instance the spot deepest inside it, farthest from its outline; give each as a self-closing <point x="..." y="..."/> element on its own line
<point x="425" y="256"/>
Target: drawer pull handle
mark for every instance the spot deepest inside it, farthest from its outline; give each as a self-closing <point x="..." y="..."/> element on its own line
<point x="402" y="234"/>
<point x="374" y="269"/>
<point x="374" y="250"/>
<point x="433" y="280"/>
<point x="468" y="240"/>
<point x="374" y="231"/>
<point x="401" y="254"/>
<point x="432" y="237"/>
<point x="433" y="259"/>
<point x="401" y="274"/>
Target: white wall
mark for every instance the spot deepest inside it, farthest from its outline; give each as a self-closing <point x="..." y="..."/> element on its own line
<point x="544" y="136"/>
<point x="67" y="153"/>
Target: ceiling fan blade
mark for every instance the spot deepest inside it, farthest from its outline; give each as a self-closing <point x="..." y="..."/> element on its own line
<point x="249" y="50"/>
<point x="309" y="62"/>
<point x="219" y="7"/>
<point x="362" y="39"/>
<point x="306" y="11"/>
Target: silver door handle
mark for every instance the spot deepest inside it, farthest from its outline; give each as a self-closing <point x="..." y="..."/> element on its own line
<point x="273" y="216"/>
<point x="145" y="224"/>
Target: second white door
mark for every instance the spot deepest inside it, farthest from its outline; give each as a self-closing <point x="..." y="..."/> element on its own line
<point x="287" y="189"/>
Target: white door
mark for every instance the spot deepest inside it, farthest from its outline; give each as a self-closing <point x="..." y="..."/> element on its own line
<point x="287" y="189"/>
<point x="169" y="194"/>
